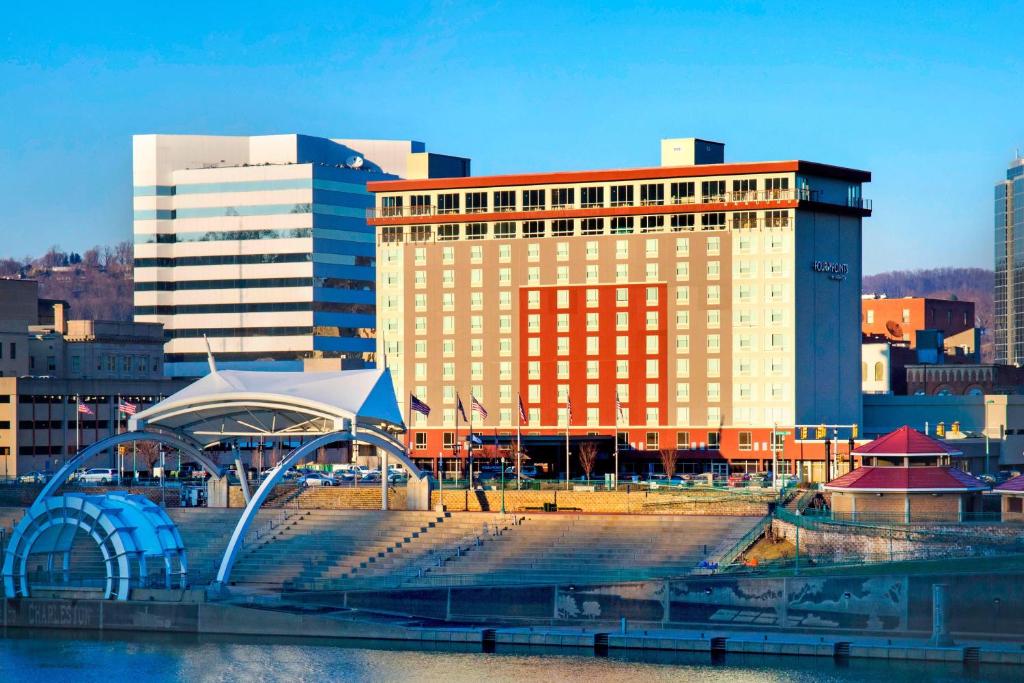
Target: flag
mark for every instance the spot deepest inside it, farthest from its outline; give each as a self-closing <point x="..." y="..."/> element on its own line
<point x="84" y="409"/>
<point x="460" y="408"/>
<point x="522" y="412"/>
<point x="418" y="406"/>
<point x="568" y="409"/>
<point x="477" y="407"/>
<point x="618" y="405"/>
<point x="127" y="408"/>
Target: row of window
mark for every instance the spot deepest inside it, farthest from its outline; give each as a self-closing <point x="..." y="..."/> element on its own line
<point x="652" y="248"/>
<point x="773" y="366"/>
<point x="249" y="186"/>
<point x="253" y="283"/>
<point x="268" y="307"/>
<point x="289" y="331"/>
<point x="567" y="227"/>
<point x="654" y="193"/>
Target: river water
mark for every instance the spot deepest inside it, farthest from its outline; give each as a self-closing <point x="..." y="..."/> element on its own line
<point x="53" y="657"/>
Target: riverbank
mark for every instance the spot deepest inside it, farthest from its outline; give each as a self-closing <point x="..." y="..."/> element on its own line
<point x="317" y="622"/>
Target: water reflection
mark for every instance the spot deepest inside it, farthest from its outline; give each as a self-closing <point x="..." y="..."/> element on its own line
<point x="87" y="657"/>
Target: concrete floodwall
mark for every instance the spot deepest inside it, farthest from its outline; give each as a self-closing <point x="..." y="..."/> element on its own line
<point x="984" y="605"/>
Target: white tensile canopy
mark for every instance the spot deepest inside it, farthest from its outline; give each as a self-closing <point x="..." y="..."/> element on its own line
<point x="240" y="404"/>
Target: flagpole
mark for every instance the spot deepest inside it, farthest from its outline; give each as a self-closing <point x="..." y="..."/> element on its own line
<point x="470" y="441"/>
<point x="455" y="446"/>
<point x="78" y="423"/>
<point x="519" y="444"/>
<point x="615" y="479"/>
<point x="568" y="419"/>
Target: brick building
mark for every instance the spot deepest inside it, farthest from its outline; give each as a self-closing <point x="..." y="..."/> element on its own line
<point x="710" y="299"/>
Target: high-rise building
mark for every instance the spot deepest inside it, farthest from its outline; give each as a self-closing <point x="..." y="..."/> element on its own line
<point x="261" y="245"/>
<point x="1009" y="266"/>
<point x="718" y="304"/>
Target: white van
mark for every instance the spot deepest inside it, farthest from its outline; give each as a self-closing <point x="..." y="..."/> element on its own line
<point x="98" y="475"/>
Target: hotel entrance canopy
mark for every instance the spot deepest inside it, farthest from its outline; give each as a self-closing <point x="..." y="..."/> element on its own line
<point x="232" y="404"/>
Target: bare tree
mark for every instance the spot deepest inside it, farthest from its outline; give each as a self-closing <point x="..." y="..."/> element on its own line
<point x="588" y="456"/>
<point x="149" y="453"/>
<point x="669" y="457"/>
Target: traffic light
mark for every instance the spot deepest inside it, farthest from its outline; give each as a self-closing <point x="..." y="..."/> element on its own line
<point x="955" y="428"/>
<point x="803" y="433"/>
<point x="940" y="430"/>
<point x="820" y="432"/>
<point x="853" y="432"/>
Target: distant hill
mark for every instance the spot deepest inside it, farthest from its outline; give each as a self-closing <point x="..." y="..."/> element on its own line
<point x="965" y="284"/>
<point x="97" y="284"/>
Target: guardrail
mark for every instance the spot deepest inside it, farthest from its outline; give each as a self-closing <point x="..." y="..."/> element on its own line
<point x="745" y="542"/>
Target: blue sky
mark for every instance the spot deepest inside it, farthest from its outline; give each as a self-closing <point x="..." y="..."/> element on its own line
<point x="927" y="96"/>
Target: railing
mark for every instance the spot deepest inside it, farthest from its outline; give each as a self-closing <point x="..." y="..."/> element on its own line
<point x="745" y="542"/>
<point x="571" y="210"/>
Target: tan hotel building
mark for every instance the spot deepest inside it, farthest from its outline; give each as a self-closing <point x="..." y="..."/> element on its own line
<point x="718" y="301"/>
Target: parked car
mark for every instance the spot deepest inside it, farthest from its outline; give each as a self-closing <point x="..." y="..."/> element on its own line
<point x="369" y="476"/>
<point x="35" y="477"/>
<point x="738" y="479"/>
<point x="98" y="475"/>
<point x="528" y="471"/>
<point x="397" y="477"/>
<point x="317" y="479"/>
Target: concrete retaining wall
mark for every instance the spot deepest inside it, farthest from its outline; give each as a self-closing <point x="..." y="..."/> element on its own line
<point x="631" y="502"/>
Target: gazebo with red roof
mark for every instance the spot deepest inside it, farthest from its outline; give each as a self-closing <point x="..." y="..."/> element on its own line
<point x="1012" y="494"/>
<point x="906" y="475"/>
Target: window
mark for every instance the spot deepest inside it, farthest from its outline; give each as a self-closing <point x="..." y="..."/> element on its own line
<point x="714" y="391"/>
<point x="652" y="441"/>
<point x="533" y="370"/>
<point x="562" y="228"/>
<point x="476" y="231"/>
<point x="652" y="368"/>
<point x="714" y="246"/>
<point x="562" y="275"/>
<point x="714" y="269"/>
<point x="622" y="296"/>
<point x="593" y="346"/>
<point x="683" y="343"/>
<point x="622" y="372"/>
<point x="476" y="202"/>
<point x="744" y="189"/>
<point x="562" y="324"/>
<point x="504" y="230"/>
<point x="714" y="367"/>
<point x="682" y="246"/>
<point x="533" y="299"/>
<point x="622" y="225"/>
<point x="563" y="346"/>
<point x="879" y="371"/>
<point x="533" y="346"/>
<point x="744" y="219"/>
<point x="591" y="197"/>
<point x="592" y="226"/>
<point x="650" y="271"/>
<point x="776" y="188"/>
<point x="562" y="197"/>
<point x="504" y="200"/>
<point x="448" y="203"/>
<point x="746" y="441"/>
<point x="448" y="232"/>
<point x="682" y="439"/>
<point x="593" y="273"/>
<point x="652" y="194"/>
<point x="682" y="192"/>
<point x="714" y="294"/>
<point x="592" y="322"/>
<point x="391" y="206"/>
<point x="448" y="440"/>
<point x="652" y="343"/>
<point x="419" y="204"/>
<point x="593" y="367"/>
<point x="776" y="219"/>
<point x="622" y="195"/>
<point x="683" y="221"/>
<point x="714" y="318"/>
<point x="712" y="221"/>
<point x="652" y="319"/>
<point x="713" y="190"/>
<point x="621" y="249"/>
<point x="714" y="438"/>
<point x="652" y="223"/>
<point x="906" y="315"/>
<point x="683" y="295"/>
<point x="562" y="369"/>
<point x="593" y="393"/>
<point x="532" y="229"/>
<point x="593" y="298"/>
<point x="533" y="200"/>
<point x="563" y="298"/>
<point x="622" y="345"/>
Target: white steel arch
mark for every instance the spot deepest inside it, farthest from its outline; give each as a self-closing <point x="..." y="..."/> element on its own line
<point x="177" y="441"/>
<point x="369" y="436"/>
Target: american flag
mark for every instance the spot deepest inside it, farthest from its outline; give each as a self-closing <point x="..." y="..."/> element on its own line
<point x="618" y="405"/>
<point x="522" y="412"/>
<point x="418" y="406"/>
<point x="84" y="409"/>
<point x="477" y="407"/>
<point x="460" y="408"/>
<point x="568" y="408"/>
<point x="127" y="408"/>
